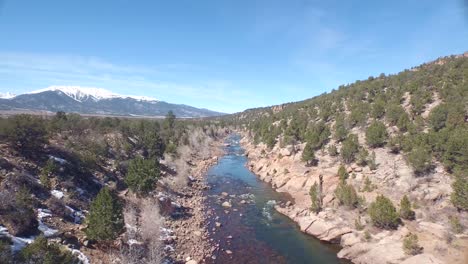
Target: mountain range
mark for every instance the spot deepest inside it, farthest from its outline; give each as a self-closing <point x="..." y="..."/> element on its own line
<point x="84" y="100"/>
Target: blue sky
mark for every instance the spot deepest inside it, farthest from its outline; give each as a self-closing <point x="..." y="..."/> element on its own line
<point x="222" y="55"/>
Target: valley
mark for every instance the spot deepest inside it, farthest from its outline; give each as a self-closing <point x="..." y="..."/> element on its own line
<point x="373" y="172"/>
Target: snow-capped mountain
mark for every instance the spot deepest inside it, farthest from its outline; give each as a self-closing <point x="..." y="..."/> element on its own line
<point x="81" y="94"/>
<point x="6" y="95"/>
<point x="85" y="100"/>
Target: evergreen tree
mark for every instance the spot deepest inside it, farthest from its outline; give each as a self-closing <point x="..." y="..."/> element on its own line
<point x="342" y="173"/>
<point x="308" y="155"/>
<point x="315" y="197"/>
<point x="376" y="134"/>
<point x="105" y="220"/>
<point x="340" y="129"/>
<point x="142" y="174"/>
<point x="405" y="209"/>
<point x="347" y="195"/>
<point x="350" y="148"/>
<point x="459" y="195"/>
<point x="383" y="214"/>
<point x="420" y="159"/>
<point x="411" y="245"/>
<point x="332" y="151"/>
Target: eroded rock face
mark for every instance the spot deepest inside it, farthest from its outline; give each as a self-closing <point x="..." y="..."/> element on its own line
<point x="393" y="178"/>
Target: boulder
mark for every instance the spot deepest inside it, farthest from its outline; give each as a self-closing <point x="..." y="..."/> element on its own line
<point x="226" y="204"/>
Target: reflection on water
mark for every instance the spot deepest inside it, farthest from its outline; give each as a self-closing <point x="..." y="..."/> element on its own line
<point x="252" y="229"/>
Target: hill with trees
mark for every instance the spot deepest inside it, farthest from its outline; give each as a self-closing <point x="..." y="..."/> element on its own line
<point x="388" y="141"/>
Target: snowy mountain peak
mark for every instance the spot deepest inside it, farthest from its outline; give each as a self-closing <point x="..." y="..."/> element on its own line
<point x="81" y="94"/>
<point x="6" y="95"/>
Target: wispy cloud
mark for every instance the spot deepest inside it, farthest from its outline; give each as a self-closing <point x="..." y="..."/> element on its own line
<point x="32" y="71"/>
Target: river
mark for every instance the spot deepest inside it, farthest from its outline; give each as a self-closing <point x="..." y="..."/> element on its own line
<point x="251" y="230"/>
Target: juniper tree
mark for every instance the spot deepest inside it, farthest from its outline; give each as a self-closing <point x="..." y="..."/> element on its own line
<point x="105" y="220"/>
<point x="405" y="209"/>
<point x="383" y="214"/>
<point x="142" y="174"/>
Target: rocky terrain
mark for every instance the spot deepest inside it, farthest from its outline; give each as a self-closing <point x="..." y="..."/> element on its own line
<point x="50" y="192"/>
<point x="283" y="168"/>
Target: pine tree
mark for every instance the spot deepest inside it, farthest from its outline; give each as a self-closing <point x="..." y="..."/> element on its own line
<point x="105" y="219"/>
<point x="383" y="214"/>
<point x="411" y="245"/>
<point x="142" y="175"/>
<point x="347" y="195"/>
<point x="350" y="148"/>
<point x="342" y="173"/>
<point x="315" y="196"/>
<point x="308" y="155"/>
<point x="459" y="195"/>
<point x="376" y="134"/>
<point x="405" y="209"/>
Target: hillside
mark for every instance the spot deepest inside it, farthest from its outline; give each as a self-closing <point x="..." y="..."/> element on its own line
<point x="103" y="190"/>
<point x="98" y="102"/>
<point x="395" y="135"/>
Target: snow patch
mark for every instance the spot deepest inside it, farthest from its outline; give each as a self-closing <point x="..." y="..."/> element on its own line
<point x="57" y="194"/>
<point x="7" y="95"/>
<point x="82" y="257"/>
<point x="59" y="160"/>
<point x="18" y="242"/>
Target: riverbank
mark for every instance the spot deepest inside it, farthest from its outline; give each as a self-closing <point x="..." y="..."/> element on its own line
<point x="189" y="237"/>
<point x="362" y="243"/>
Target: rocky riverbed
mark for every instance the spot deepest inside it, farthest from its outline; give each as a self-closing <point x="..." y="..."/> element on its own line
<point x="188" y="238"/>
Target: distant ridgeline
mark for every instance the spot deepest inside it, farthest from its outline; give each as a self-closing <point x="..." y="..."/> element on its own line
<point x="97" y="101"/>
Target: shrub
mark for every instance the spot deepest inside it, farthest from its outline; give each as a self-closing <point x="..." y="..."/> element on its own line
<point x="350" y="148"/>
<point x="378" y="109"/>
<point x="17" y="213"/>
<point x="27" y="133"/>
<point x="40" y="251"/>
<point x="362" y="157"/>
<point x="346" y="195"/>
<point x="357" y="224"/>
<point x="394" y="143"/>
<point x="411" y="245"/>
<point x="142" y="175"/>
<point x="438" y="117"/>
<point x="383" y="214"/>
<point x="376" y="134"/>
<point x="340" y="129"/>
<point x="459" y="196"/>
<point x="367" y="235"/>
<point x="342" y="173"/>
<point x="405" y="209"/>
<point x="393" y="113"/>
<point x="455" y="155"/>
<point x="368" y="186"/>
<point x="6" y="255"/>
<point x="420" y="159"/>
<point x="316" y="198"/>
<point x="105" y="219"/>
<point x="455" y="224"/>
<point x="332" y="151"/>
<point x="371" y="162"/>
<point x="404" y="123"/>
